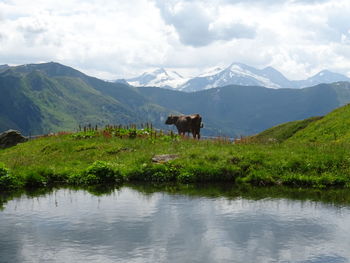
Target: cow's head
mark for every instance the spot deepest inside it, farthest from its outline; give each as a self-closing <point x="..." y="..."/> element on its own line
<point x="171" y="119"/>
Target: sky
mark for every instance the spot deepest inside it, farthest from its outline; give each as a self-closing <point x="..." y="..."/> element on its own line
<point x="113" y="39"/>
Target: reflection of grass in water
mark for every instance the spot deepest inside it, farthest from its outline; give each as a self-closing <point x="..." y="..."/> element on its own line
<point x="97" y="190"/>
<point x="330" y="196"/>
<point x="7" y="196"/>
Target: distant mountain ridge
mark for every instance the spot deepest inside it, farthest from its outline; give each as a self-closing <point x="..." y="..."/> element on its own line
<point x="235" y="74"/>
<point x="50" y="97"/>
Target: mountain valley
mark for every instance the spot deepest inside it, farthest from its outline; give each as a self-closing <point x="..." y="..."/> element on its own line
<point x="50" y="97"/>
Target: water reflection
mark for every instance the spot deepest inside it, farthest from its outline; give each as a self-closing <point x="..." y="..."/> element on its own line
<point x="140" y="223"/>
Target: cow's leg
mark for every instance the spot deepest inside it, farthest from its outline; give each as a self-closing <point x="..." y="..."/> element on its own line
<point x="194" y="133"/>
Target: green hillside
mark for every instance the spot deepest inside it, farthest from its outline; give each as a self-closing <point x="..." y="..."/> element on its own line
<point x="284" y="131"/>
<point x="335" y="126"/>
<point x="43" y="98"/>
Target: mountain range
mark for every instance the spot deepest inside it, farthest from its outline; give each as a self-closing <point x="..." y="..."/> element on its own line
<point x="235" y="74"/>
<point x="51" y="97"/>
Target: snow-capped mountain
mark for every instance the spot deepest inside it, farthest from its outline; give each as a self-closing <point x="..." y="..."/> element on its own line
<point x="238" y="74"/>
<point x="158" y="78"/>
<point x="325" y="76"/>
<point x="235" y="74"/>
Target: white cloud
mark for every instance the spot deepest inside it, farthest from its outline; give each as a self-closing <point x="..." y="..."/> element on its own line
<point x="113" y="39"/>
<point x="199" y="24"/>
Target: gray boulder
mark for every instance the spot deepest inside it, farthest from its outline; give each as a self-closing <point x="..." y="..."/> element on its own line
<point x="11" y="138"/>
<point x="164" y="158"/>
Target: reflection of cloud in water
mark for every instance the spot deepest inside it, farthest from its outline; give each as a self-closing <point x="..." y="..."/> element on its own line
<point x="326" y="259"/>
<point x="281" y="229"/>
<point x="128" y="226"/>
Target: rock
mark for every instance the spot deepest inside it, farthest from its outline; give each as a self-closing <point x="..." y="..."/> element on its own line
<point x="163" y="158"/>
<point x="11" y="138"/>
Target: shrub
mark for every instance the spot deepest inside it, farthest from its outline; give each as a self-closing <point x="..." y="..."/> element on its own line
<point x="98" y="173"/>
<point x="42" y="176"/>
<point x="207" y="173"/>
<point x="297" y="180"/>
<point x="84" y="135"/>
<point x="34" y="179"/>
<point x="75" y="179"/>
<point x="8" y="181"/>
<point x="259" y="177"/>
<point x="186" y="177"/>
<point x="3" y="170"/>
<point x="155" y="173"/>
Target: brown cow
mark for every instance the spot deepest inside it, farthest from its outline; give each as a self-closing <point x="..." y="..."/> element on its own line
<point x="187" y="123"/>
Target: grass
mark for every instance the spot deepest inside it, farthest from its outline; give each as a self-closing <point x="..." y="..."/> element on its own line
<point x="284" y="131"/>
<point x="101" y="158"/>
<point x="334" y="127"/>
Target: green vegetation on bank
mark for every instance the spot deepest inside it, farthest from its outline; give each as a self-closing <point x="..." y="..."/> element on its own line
<point x="104" y="157"/>
<point x="311" y="153"/>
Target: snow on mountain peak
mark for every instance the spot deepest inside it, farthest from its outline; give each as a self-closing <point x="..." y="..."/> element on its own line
<point x="211" y="71"/>
<point x="158" y="78"/>
<point x="234" y="74"/>
<point x="235" y="67"/>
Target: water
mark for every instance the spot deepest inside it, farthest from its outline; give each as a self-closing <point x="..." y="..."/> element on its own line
<point x="140" y="224"/>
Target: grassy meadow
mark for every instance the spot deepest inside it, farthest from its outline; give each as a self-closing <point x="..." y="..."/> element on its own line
<point x="114" y="155"/>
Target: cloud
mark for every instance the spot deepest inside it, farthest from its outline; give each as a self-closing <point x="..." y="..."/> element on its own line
<point x="197" y="24"/>
<point x="115" y="39"/>
<point x="84" y="34"/>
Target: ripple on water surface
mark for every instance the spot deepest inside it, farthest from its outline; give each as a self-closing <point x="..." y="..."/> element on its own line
<point x="130" y="226"/>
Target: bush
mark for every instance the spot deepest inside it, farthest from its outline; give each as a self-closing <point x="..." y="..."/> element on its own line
<point x="99" y="172"/>
<point x="260" y="178"/>
<point x="155" y="173"/>
<point x="3" y="170"/>
<point x="75" y="179"/>
<point x="208" y="173"/>
<point x="298" y="180"/>
<point x="186" y="177"/>
<point x="42" y="176"/>
<point x="8" y="181"/>
<point x="34" y="179"/>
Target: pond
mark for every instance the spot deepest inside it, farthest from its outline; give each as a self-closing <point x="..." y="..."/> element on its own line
<point x="176" y="224"/>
